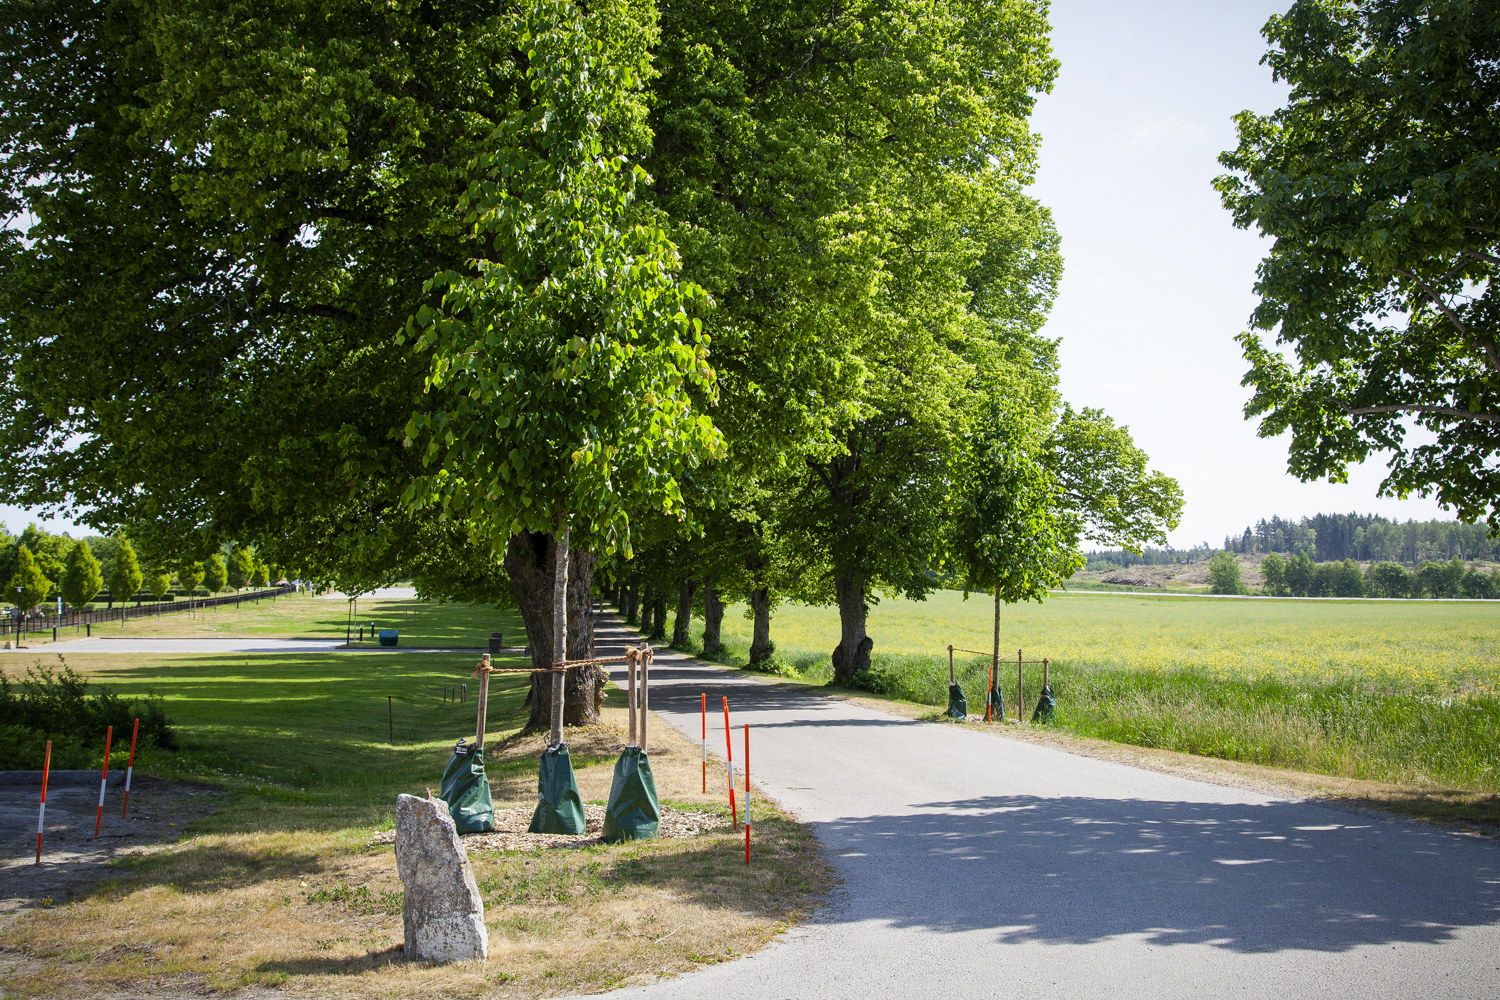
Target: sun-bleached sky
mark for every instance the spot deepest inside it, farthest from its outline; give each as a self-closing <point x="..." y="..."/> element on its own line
<point x="1157" y="281"/>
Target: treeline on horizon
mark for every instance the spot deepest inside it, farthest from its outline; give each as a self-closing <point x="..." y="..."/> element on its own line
<point x="1326" y="538"/>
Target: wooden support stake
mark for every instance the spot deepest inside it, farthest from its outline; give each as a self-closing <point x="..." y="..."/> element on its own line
<point x="705" y="743"/>
<point x="483" y="670"/>
<point x="630" y="658"/>
<point x="390" y="718"/>
<point x="950" y="666"/>
<point x="1020" y="702"/>
<point x="646" y="656"/>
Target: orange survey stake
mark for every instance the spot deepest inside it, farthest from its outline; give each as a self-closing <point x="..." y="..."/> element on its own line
<point x="729" y="766"/>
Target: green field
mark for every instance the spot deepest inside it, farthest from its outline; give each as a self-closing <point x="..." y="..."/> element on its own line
<point x="1392" y="691"/>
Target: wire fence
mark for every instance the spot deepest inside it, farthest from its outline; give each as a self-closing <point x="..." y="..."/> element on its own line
<point x="85" y="619"/>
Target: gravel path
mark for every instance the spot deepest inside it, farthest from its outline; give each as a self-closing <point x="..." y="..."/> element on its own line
<point x="977" y="866"/>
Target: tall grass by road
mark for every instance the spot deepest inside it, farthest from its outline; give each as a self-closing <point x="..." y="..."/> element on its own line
<point x="1396" y="692"/>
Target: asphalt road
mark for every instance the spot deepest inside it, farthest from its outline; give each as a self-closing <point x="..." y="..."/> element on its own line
<point x="978" y="866"/>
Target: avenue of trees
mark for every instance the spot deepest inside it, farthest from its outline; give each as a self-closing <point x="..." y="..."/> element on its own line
<point x="724" y="301"/>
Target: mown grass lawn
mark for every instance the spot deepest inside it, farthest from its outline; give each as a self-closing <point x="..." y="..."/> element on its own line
<point x="283" y="886"/>
<point x="421" y="623"/>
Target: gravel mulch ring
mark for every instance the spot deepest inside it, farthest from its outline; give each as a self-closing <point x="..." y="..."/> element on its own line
<point x="510" y="830"/>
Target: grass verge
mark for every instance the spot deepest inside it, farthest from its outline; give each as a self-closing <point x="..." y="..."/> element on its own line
<point x="283" y="886"/>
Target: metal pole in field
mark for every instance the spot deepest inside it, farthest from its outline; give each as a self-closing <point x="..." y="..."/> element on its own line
<point x="1020" y="703"/>
<point x="104" y="778"/>
<point x="705" y="743"/>
<point x="41" y="816"/>
<point x="729" y="765"/>
<point x="130" y="767"/>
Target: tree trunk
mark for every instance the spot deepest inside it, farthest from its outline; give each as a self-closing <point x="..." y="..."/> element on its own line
<point x="630" y="604"/>
<point x="658" y="616"/>
<point x="713" y="620"/>
<point x="761" y="646"/>
<point x="852" y="655"/>
<point x="682" y="626"/>
<point x="531" y="563"/>
<point x="648" y="601"/>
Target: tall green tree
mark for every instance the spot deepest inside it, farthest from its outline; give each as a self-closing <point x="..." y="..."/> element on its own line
<point x="159" y="582"/>
<point x="1379" y="186"/>
<point x="81" y="578"/>
<point x="125" y="581"/>
<point x="567" y="350"/>
<point x="28" y="585"/>
<point x="1224" y="574"/>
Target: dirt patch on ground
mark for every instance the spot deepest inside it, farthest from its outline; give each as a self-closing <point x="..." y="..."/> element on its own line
<point x="72" y="857"/>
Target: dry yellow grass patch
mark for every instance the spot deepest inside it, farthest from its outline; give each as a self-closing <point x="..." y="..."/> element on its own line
<point x="318" y="912"/>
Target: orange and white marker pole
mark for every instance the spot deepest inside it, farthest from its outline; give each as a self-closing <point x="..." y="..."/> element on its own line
<point x="103" y="778"/>
<point x="729" y="766"/>
<point x="130" y="767"/>
<point x="41" y="816"/>
<point x="705" y="743"/>
<point x="747" y="793"/>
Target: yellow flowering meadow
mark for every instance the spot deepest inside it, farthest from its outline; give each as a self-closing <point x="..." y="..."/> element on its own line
<point x="1446" y="646"/>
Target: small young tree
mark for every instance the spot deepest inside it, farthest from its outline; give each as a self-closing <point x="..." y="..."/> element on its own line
<point x="215" y="574"/>
<point x="190" y="575"/>
<point x="241" y="567"/>
<point x="160" y="582"/>
<point x="262" y="575"/>
<point x="1273" y="575"/>
<point x="127" y="577"/>
<point x="1224" y="574"/>
<point x="81" y="579"/>
<point x="29" y="586"/>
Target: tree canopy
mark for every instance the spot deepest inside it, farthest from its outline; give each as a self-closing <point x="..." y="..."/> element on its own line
<point x="1379" y="186"/>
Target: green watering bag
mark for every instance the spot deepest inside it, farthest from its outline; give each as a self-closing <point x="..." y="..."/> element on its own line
<point x="996" y="706"/>
<point x="559" y="807"/>
<point x="632" y="813"/>
<point x="467" y="791"/>
<point x="958" y="707"/>
<point x="1046" y="706"/>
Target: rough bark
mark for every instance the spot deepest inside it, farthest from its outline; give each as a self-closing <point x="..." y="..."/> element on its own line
<point x="682" y="625"/>
<point x="631" y="603"/>
<point x="852" y="655"/>
<point x="713" y="620"/>
<point x="761" y="646"/>
<point x="531" y="563"/>
<point x="658" y="616"/>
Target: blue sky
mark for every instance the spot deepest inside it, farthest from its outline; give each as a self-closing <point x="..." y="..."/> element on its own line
<point x="1157" y="281"/>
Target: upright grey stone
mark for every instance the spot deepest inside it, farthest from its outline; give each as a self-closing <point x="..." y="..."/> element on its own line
<point x="441" y="907"/>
